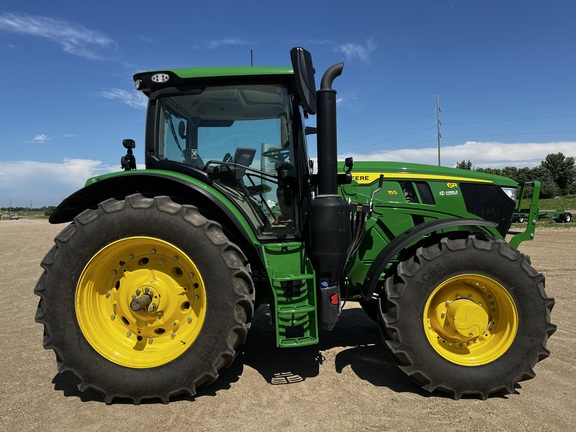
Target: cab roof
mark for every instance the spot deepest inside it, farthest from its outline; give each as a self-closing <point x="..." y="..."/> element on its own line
<point x="154" y="80"/>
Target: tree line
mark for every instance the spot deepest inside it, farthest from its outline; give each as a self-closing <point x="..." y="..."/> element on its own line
<point x="557" y="174"/>
<point x="46" y="210"/>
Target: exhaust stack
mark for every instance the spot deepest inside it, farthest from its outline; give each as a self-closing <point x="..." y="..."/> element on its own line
<point x="327" y="133"/>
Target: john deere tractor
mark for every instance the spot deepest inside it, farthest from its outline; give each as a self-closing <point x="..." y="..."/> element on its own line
<point x="150" y="289"/>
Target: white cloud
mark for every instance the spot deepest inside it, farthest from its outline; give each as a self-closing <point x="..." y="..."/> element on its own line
<point x="226" y="42"/>
<point x="355" y="51"/>
<point x="41" y="138"/>
<point x="132" y="98"/>
<point x="73" y="38"/>
<point x="481" y="154"/>
<point x="351" y="50"/>
<point x="45" y="183"/>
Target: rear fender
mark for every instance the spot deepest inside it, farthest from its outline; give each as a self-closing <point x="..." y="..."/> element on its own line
<point x="182" y="189"/>
<point x="407" y="238"/>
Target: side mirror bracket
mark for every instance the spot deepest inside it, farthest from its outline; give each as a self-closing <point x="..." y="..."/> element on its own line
<point x="128" y="162"/>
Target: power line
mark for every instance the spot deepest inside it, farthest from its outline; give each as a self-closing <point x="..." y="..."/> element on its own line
<point x="511" y="106"/>
<point x="387" y="129"/>
<point x="510" y="120"/>
<point x="412" y="145"/>
<point x="390" y="139"/>
<point x="429" y="140"/>
<point x="439" y="135"/>
<point x="511" y="134"/>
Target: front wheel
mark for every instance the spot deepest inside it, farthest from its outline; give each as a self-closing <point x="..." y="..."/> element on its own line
<point x="144" y="298"/>
<point x="467" y="316"/>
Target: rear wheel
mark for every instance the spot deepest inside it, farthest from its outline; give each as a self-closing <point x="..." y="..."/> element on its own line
<point x="144" y="298"/>
<point x="467" y="316"/>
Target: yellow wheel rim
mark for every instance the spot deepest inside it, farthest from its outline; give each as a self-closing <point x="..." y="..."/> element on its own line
<point x="140" y="302"/>
<point x="470" y="320"/>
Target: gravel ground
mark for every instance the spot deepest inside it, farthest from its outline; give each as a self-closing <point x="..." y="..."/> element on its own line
<point x="348" y="382"/>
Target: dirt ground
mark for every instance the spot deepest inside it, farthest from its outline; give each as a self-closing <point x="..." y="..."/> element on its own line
<point x="348" y="382"/>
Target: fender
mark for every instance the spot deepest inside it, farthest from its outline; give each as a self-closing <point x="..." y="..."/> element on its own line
<point x="405" y="239"/>
<point x="182" y="188"/>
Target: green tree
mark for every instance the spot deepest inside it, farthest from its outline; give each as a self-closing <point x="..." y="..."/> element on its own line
<point x="496" y="171"/>
<point x="464" y="165"/>
<point x="549" y="187"/>
<point x="561" y="169"/>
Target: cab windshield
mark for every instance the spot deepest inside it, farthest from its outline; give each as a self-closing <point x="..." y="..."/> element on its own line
<point x="239" y="135"/>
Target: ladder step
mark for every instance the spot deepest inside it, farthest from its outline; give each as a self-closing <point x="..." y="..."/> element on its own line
<point x="292" y="277"/>
<point x="297" y="328"/>
<point x="297" y="342"/>
<point x="291" y="309"/>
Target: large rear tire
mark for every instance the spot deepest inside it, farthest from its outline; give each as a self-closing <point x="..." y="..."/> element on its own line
<point x="467" y="316"/>
<point x="144" y="298"/>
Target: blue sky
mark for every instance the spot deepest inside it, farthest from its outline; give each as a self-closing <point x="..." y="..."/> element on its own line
<point x="505" y="72"/>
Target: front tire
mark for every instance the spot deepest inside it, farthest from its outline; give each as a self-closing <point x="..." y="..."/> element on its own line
<point x="144" y="298"/>
<point x="467" y="316"/>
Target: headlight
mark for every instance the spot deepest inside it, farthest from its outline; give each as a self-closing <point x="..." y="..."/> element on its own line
<point x="510" y="192"/>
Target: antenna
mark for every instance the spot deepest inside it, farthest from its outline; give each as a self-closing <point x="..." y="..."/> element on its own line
<point x="438" y="123"/>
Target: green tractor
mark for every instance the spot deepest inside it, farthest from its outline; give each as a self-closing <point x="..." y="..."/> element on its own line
<point x="150" y="290"/>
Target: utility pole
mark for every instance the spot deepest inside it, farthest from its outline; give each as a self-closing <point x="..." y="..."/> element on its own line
<point x="438" y="123"/>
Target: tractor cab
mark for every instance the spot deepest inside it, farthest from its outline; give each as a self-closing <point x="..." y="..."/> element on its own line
<point x="244" y="139"/>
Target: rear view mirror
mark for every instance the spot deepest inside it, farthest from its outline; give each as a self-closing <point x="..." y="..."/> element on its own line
<point x="304" y="75"/>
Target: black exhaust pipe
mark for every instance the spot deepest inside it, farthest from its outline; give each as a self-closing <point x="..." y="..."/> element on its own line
<point x="327" y="133"/>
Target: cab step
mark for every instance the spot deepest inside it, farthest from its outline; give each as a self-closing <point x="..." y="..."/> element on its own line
<point x="294" y="309"/>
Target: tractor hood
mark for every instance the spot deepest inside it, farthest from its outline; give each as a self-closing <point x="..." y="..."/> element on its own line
<point x="369" y="172"/>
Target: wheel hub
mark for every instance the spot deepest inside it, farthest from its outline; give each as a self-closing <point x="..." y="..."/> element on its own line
<point x="467" y="318"/>
<point x="139" y="303"/>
